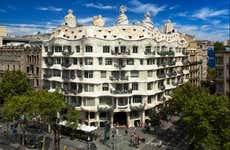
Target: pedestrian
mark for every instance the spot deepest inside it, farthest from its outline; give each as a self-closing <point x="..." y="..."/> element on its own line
<point x="126" y="131"/>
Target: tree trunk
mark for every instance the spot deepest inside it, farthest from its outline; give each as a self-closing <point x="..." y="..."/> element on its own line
<point x="23" y="134"/>
<point x="56" y="139"/>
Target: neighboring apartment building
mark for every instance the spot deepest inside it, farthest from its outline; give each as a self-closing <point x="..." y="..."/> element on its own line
<point x="204" y="45"/>
<point x="25" y="58"/>
<point x="223" y="72"/>
<point x="195" y="60"/>
<point x="2" y="34"/>
<point x="211" y="55"/>
<point x="115" y="73"/>
<point x="18" y="53"/>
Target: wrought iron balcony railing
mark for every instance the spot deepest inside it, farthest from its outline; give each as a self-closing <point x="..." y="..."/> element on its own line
<point x="119" y="78"/>
<point x="50" y="53"/>
<point x="162" y="53"/>
<point x="64" y="64"/>
<point x="122" y="91"/>
<point x="161" y="75"/>
<point x="161" y="87"/>
<point x="127" y="52"/>
<point x="119" y="65"/>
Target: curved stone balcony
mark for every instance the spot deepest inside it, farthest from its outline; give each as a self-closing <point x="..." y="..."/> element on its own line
<point x="161" y="75"/>
<point x="163" y="64"/>
<point x="121" y="91"/>
<point x="171" y="63"/>
<point x="105" y="107"/>
<point x="119" y="65"/>
<point x="180" y="71"/>
<point x="161" y="87"/>
<point x="137" y="106"/>
<point x="171" y="53"/>
<point x="49" y="53"/>
<point x="89" y="108"/>
<point x="149" y="53"/>
<point x="184" y="52"/>
<point x="66" y="64"/>
<point x="122" y="107"/>
<point x="172" y="73"/>
<point x="117" y="79"/>
<point x="67" y="53"/>
<point x="185" y="62"/>
<point x="127" y="52"/>
<point x="162" y="53"/>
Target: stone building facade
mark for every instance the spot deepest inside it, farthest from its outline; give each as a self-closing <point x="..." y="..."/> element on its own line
<point x="116" y="73"/>
<point x="26" y="58"/>
<point x="223" y="72"/>
<point x="195" y="56"/>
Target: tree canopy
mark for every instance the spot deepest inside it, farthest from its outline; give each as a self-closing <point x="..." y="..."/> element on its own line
<point x="211" y="74"/>
<point x="218" y="46"/>
<point x="48" y="104"/>
<point x="72" y="116"/>
<point x="13" y="83"/>
<point x="207" y="117"/>
<point x="35" y="103"/>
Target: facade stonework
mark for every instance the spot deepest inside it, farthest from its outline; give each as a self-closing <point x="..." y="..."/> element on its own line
<point x="195" y="56"/>
<point x="115" y="73"/>
<point x="24" y="58"/>
<point x="223" y="72"/>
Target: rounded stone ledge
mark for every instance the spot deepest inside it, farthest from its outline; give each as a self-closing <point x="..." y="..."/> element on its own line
<point x="126" y="32"/>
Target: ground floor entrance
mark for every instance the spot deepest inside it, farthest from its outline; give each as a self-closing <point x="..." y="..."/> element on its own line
<point x="120" y="118"/>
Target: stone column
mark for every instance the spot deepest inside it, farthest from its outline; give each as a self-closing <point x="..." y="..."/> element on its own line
<point x="116" y="101"/>
<point x="128" y="119"/>
<point x="97" y="119"/>
<point x="111" y="119"/>
<point x="142" y="118"/>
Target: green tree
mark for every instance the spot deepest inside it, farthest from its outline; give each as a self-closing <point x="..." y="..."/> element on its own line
<point x="47" y="105"/>
<point x="218" y="46"/>
<point x="18" y="109"/>
<point x="72" y="117"/>
<point x="41" y="104"/>
<point x="206" y="116"/>
<point x="13" y="83"/>
<point x="211" y="74"/>
<point x="154" y="118"/>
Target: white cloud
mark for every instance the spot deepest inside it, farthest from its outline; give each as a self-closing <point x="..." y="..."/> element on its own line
<point x="205" y="27"/>
<point x="182" y="14"/>
<point x="85" y="20"/>
<point x="28" y="29"/>
<point x="99" y="6"/>
<point x="205" y="13"/>
<point x="173" y="7"/>
<point x="2" y="10"/>
<point x="138" y="7"/>
<point x="50" y="8"/>
<point x="215" y="22"/>
<point x="204" y="32"/>
<point x="88" y="20"/>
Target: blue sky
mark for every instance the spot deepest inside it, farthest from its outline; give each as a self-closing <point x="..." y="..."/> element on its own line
<point x="206" y="19"/>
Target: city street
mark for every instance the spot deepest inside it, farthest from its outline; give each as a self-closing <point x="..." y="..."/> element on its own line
<point x="121" y="141"/>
